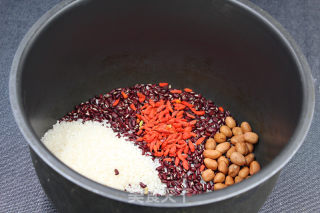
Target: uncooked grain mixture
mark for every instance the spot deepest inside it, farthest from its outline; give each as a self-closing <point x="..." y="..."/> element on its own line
<point x="151" y="138"/>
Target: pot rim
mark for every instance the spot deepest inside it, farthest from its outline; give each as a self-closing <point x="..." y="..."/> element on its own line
<point x="267" y="172"/>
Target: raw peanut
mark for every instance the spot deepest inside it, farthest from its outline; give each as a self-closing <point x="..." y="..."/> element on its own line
<point x="207" y="175"/>
<point x="219" y="178"/>
<point x="245" y="126"/>
<point x="244" y="172"/>
<point x="222" y="167"/>
<point x="251" y="137"/>
<point x="220" y="137"/>
<point x="238" y="158"/>
<point x="226" y="131"/>
<point x="233" y="170"/>
<point x="230" y="122"/>
<point x="210" y="164"/>
<point x="213" y="154"/>
<point x="250" y="147"/>
<point x="210" y="144"/>
<point x="223" y="147"/>
<point x="237" y="139"/>
<point x="219" y="186"/>
<point x="241" y="148"/>
<point x="237" y="131"/>
<point x="229" y="181"/>
<point x="254" y="167"/>
<point x="223" y="158"/>
<point x="249" y="158"/>
<point x="238" y="179"/>
<point x="230" y="151"/>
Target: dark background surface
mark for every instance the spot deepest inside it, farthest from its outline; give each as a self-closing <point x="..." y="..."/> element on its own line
<point x="298" y="188"/>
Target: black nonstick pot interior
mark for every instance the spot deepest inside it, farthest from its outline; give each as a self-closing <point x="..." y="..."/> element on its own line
<point x="221" y="49"/>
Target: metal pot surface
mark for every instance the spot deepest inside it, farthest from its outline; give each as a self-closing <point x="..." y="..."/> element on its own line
<point x="230" y="51"/>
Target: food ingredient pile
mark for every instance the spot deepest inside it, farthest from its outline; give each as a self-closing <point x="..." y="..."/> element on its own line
<point x="153" y="139"/>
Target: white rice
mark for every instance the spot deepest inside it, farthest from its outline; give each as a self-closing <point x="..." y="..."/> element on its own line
<point x="94" y="150"/>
